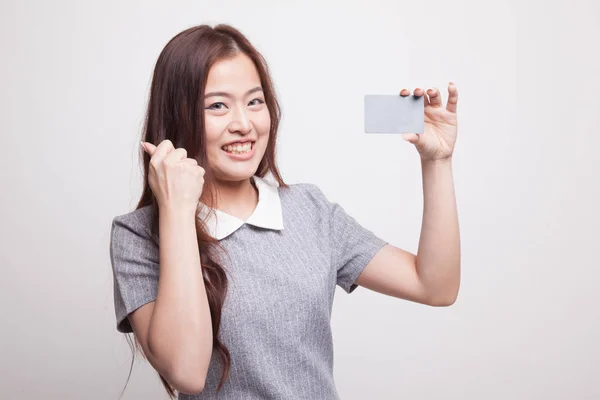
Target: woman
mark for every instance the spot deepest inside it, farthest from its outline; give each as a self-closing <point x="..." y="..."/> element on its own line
<point x="248" y="267"/>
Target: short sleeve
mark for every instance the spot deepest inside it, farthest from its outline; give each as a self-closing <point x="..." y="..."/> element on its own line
<point x="352" y="245"/>
<point x="135" y="264"/>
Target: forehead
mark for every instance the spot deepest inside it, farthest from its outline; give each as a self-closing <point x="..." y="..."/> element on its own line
<point x="234" y="75"/>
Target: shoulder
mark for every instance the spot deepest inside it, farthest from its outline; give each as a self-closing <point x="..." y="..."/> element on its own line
<point x="303" y="191"/>
<point x="136" y="223"/>
<point x="305" y="197"/>
<point x="133" y="248"/>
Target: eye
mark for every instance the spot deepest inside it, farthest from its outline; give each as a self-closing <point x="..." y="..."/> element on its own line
<point x="212" y="106"/>
<point x="260" y="101"/>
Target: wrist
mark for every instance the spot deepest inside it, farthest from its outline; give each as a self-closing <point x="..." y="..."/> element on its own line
<point x="178" y="210"/>
<point x="441" y="161"/>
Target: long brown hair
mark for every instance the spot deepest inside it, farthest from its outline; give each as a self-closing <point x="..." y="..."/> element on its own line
<point x="175" y="112"/>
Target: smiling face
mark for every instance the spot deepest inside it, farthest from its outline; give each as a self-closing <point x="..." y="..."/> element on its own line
<point x="237" y="120"/>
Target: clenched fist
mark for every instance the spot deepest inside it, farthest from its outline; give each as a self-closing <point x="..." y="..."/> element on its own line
<point x="176" y="181"/>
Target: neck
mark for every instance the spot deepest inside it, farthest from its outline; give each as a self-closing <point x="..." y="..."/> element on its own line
<point x="237" y="198"/>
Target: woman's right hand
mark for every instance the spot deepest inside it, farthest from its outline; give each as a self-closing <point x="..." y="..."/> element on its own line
<point x="175" y="180"/>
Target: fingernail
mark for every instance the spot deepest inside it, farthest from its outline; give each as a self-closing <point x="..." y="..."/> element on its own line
<point x="143" y="145"/>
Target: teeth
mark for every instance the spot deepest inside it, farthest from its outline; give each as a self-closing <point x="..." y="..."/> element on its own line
<point x="238" y="148"/>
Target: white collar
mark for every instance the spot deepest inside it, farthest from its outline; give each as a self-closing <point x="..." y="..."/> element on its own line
<point x="267" y="213"/>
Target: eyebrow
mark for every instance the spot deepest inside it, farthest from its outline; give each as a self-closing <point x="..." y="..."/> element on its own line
<point x="225" y="94"/>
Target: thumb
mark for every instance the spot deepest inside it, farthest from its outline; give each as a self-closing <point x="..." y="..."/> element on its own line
<point x="411" y="137"/>
<point x="148" y="148"/>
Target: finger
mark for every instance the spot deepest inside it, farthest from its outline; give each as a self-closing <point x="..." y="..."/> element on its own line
<point x="435" y="98"/>
<point x="411" y="137"/>
<point x="176" y="155"/>
<point x="161" y="151"/>
<point x="404" y="92"/>
<point x="148" y="148"/>
<point x="190" y="161"/>
<point x="452" y="97"/>
<point x="420" y="92"/>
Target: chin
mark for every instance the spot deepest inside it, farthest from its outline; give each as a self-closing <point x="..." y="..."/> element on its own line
<point x="236" y="174"/>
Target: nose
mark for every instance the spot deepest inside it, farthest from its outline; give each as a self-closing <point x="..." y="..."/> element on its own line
<point x="240" y="122"/>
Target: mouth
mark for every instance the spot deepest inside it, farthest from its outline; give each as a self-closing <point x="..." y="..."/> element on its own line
<point x="238" y="151"/>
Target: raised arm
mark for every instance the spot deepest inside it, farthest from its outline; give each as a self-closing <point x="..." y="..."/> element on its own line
<point x="176" y="330"/>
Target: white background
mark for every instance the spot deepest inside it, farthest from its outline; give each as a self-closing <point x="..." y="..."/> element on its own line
<point x="75" y="78"/>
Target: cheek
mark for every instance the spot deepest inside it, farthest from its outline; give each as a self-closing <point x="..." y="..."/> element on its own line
<point x="212" y="127"/>
<point x="212" y="142"/>
<point x="262" y="124"/>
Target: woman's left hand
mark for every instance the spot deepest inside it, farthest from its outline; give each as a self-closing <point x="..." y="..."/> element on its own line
<point x="438" y="139"/>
